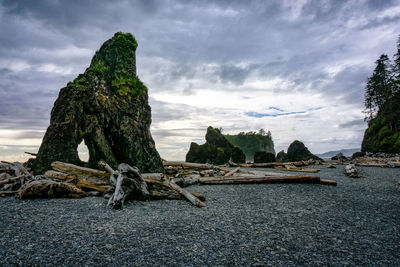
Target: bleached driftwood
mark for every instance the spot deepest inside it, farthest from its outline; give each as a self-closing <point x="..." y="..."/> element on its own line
<point x="296" y="169"/>
<point x="232" y="172"/>
<point x="126" y="183"/>
<point x="190" y="197"/>
<point x="92" y="175"/>
<point x="50" y="189"/>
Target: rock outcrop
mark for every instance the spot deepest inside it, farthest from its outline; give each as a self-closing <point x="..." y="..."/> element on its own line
<point x="263" y="157"/>
<point x="383" y="132"/>
<point x="217" y="150"/>
<point x="107" y="107"/>
<point x="340" y="157"/>
<point x="297" y="151"/>
<point x="251" y="142"/>
<point x="282" y="156"/>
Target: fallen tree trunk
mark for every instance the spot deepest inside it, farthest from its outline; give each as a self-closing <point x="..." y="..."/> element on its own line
<point x="191" y="198"/>
<point x="264" y="179"/>
<point x="188" y="165"/>
<point x="81" y="183"/>
<point x="258" y="179"/>
<point x="275" y="164"/>
<point x="50" y="189"/>
<point x="296" y="169"/>
<point x="191" y="165"/>
<point x="232" y="172"/>
<point x="96" y="176"/>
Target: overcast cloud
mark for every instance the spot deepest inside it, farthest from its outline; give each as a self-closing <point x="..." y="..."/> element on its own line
<point x="296" y="68"/>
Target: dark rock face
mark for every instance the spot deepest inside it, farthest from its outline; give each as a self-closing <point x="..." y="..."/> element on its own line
<point x="263" y="157"/>
<point x="282" y="156"/>
<point x="297" y="151"/>
<point x="357" y="155"/>
<point x="339" y="156"/>
<point x="251" y="142"/>
<point x="238" y="155"/>
<point x="217" y="150"/>
<point x="107" y="107"/>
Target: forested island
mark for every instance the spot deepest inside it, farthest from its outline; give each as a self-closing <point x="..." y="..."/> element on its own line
<point x="382" y="106"/>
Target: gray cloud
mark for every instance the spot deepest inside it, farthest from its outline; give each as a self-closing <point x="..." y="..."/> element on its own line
<point x="184" y="45"/>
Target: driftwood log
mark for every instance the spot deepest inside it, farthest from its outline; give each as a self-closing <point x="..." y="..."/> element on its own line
<point x="50" y="189"/>
<point x="232" y="172"/>
<point x="91" y="175"/>
<point x="296" y="169"/>
<point x="149" y="188"/>
<point x="80" y="183"/>
<point x="265" y="180"/>
<point x="189" y="196"/>
<point x="126" y="184"/>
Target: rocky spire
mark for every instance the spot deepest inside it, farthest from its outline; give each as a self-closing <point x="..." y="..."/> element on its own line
<point x="107" y="107"/>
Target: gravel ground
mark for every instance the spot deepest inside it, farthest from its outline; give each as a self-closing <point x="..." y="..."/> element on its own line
<point x="355" y="223"/>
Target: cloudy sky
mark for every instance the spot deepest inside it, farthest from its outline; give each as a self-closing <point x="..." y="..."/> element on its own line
<point x="296" y="68"/>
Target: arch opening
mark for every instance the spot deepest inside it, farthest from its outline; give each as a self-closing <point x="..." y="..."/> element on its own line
<point x="83" y="152"/>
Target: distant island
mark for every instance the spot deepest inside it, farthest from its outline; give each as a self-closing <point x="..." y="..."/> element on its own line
<point x="252" y="142"/>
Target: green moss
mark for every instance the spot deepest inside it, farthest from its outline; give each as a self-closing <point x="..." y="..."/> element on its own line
<point x="251" y="142"/>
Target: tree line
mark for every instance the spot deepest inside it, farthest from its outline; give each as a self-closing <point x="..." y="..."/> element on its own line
<point x="382" y="90"/>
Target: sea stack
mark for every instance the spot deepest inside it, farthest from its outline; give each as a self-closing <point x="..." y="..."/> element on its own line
<point x="107" y="107"/>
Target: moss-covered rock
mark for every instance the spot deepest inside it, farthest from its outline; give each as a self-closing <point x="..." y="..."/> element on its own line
<point x="238" y="155"/>
<point x="251" y="142"/>
<point x="297" y="151"/>
<point x="282" y="156"/>
<point x="107" y="107"/>
<point x="380" y="136"/>
<point x="217" y="150"/>
<point x="263" y="157"/>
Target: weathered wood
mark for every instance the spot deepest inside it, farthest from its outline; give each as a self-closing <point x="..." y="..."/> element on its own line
<point x="232" y="172"/>
<point x="117" y="198"/>
<point x="296" y="169"/>
<point x="50" y="189"/>
<point x="187" y="181"/>
<point x="265" y="179"/>
<point x="106" y="166"/>
<point x="92" y="175"/>
<point x="81" y="183"/>
<point x="51" y="174"/>
<point x="13" y="179"/>
<point x="160" y="190"/>
<point x="351" y="171"/>
<point x="191" y="198"/>
<point x="89" y="186"/>
<point x="188" y="165"/>
<point x="154" y="176"/>
<point x="126" y="183"/>
<point x="191" y="165"/>
<point x="198" y="195"/>
<point x="6" y="170"/>
<point x="275" y="164"/>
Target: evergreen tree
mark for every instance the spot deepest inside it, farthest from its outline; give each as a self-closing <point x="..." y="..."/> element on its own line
<point x="378" y="89"/>
<point x="396" y="69"/>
